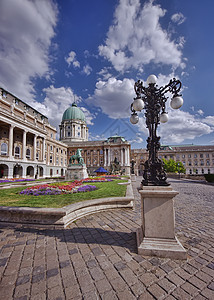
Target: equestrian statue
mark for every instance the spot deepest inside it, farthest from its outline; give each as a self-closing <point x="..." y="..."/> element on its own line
<point x="77" y="157"/>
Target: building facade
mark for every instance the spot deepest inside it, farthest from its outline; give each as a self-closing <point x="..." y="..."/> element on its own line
<point x="104" y="153"/>
<point x="196" y="159"/>
<point x="28" y="142"/>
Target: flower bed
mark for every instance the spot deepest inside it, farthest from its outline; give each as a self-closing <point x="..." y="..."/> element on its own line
<point x="58" y="188"/>
<point x="11" y="180"/>
<point x="96" y="179"/>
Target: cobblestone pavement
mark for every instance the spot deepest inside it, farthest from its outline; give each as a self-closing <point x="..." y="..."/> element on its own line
<point x="96" y="258"/>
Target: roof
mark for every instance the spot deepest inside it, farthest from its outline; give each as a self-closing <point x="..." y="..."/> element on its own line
<point x="73" y="113"/>
<point x="116" y="138"/>
<point x="101" y="170"/>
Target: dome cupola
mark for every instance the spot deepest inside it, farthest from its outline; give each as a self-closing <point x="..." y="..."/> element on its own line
<point x="73" y="113"/>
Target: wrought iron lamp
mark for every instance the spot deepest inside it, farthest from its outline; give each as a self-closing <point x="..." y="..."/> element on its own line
<point x="152" y="99"/>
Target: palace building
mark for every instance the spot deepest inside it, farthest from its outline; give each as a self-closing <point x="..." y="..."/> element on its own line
<point x="28" y="142"/>
<point x="29" y="147"/>
<point x="102" y="153"/>
<point x="196" y="159"/>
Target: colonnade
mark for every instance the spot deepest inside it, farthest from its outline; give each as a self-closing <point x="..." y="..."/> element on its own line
<point x="24" y="144"/>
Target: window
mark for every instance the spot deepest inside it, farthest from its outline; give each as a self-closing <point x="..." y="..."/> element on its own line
<point x="183" y="156"/>
<point x="69" y="133"/>
<point x="4" y="95"/>
<point x="61" y="161"/>
<point x="37" y="144"/>
<point x="51" y="135"/>
<point x="37" y="155"/>
<point x="189" y="155"/>
<point x="189" y="163"/>
<point x="202" y="162"/>
<point x="207" y="155"/>
<point x="28" y="153"/>
<point x="57" y="150"/>
<point x="3" y="149"/>
<point x="51" y="158"/>
<point x="195" y="155"/>
<point x="201" y="155"/>
<point x="178" y="157"/>
<point x="196" y="163"/>
<point x="51" y="147"/>
<point x="101" y="152"/>
<point x="17" y="151"/>
<point x="196" y="171"/>
<point x="190" y="172"/>
<point x="57" y="160"/>
<point x="69" y="127"/>
<point x="208" y="171"/>
<point x="202" y="171"/>
<point x="208" y="163"/>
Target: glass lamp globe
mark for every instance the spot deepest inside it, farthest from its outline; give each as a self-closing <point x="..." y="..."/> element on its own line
<point x="138" y="104"/>
<point x="152" y="79"/>
<point x="164" y="117"/>
<point x="134" y="118"/>
<point x="176" y="102"/>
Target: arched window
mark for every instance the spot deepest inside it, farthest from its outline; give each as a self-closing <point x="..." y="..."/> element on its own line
<point x="17" y="151"/>
<point x="4" y="149"/>
<point x="208" y="171"/>
<point x="28" y="153"/>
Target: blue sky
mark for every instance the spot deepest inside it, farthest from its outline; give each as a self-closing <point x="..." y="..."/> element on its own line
<point x="52" y="52"/>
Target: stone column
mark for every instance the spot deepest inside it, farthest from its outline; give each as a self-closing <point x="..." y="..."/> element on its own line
<point x="43" y="150"/>
<point x="121" y="155"/>
<point x="128" y="157"/>
<point x="109" y="157"/>
<point x="34" y="147"/>
<point x="156" y="236"/>
<point x="125" y="157"/>
<point x="11" y="142"/>
<point x="104" y="157"/>
<point x="24" y="145"/>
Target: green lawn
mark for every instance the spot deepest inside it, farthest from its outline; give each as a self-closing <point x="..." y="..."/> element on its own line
<point x="11" y="197"/>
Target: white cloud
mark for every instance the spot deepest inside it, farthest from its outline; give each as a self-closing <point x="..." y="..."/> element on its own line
<point x="87" y="69"/>
<point x="114" y="97"/>
<point x="88" y="115"/>
<point x="178" y="18"/>
<point x="136" y="38"/>
<point x="26" y="31"/>
<point x="56" y="101"/>
<point x="72" y="59"/>
<point x="182" y="126"/>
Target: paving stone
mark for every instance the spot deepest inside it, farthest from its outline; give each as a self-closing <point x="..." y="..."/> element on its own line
<point x="208" y="293"/>
<point x="96" y="258"/>
<point x="181" y="294"/>
<point x="157" y="291"/>
<point x="148" y="279"/>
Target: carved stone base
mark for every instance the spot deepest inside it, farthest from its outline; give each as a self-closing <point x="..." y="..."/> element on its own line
<point x="156" y="236"/>
<point x="166" y="248"/>
<point x="76" y="172"/>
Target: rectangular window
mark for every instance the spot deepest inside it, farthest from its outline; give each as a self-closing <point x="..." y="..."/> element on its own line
<point x="51" y="159"/>
<point x="195" y="155"/>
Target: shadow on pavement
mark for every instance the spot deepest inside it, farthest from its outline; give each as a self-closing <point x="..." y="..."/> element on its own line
<point x="82" y="235"/>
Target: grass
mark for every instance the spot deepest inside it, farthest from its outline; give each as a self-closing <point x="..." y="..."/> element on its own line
<point x="11" y="197"/>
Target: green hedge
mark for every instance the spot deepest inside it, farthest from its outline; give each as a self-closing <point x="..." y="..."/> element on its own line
<point x="209" y="177"/>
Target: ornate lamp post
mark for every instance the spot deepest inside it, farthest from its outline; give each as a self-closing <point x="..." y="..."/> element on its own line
<point x="153" y="99"/>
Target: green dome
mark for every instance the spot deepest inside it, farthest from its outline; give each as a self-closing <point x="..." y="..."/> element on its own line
<point x="73" y="113"/>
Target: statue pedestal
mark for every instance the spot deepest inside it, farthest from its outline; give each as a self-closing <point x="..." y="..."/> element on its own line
<point x="156" y="236"/>
<point x="76" y="172"/>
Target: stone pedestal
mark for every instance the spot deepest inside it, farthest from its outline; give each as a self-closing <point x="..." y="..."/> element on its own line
<point x="156" y="236"/>
<point x="76" y="172"/>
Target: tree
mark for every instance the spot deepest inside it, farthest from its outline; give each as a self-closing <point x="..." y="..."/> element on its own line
<point x="171" y="166"/>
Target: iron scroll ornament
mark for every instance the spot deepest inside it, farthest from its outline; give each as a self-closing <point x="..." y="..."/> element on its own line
<point x="154" y="100"/>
